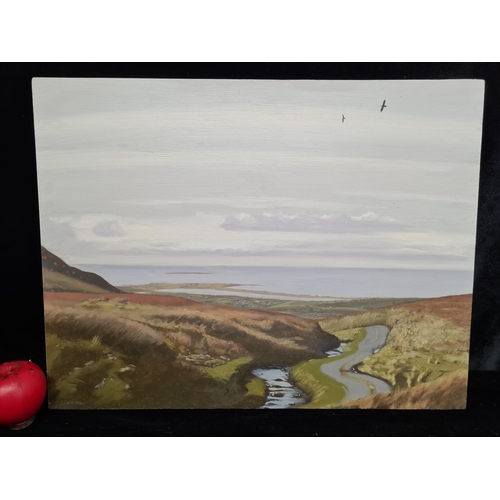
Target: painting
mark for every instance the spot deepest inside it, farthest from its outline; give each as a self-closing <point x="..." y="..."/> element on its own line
<point x="257" y="244"/>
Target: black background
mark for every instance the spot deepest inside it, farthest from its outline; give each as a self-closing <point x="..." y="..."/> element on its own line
<point x="21" y="305"/>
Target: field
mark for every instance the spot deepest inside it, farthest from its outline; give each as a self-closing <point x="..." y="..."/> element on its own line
<point x="303" y="308"/>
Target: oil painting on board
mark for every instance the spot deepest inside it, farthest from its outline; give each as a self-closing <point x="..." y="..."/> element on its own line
<point x="277" y="244"/>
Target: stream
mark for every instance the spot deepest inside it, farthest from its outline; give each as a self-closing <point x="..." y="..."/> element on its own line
<point x="283" y="394"/>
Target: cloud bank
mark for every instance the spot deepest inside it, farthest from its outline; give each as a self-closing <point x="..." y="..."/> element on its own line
<point x="368" y="222"/>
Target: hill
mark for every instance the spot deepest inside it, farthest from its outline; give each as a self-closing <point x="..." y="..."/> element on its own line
<point x="60" y="277"/>
<point x="150" y="351"/>
<point x="426" y="354"/>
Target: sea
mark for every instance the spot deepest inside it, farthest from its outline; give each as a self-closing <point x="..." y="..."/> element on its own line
<point x="317" y="283"/>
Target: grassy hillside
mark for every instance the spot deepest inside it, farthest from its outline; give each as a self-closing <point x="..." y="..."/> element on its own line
<point x="136" y="351"/>
<point x="57" y="282"/>
<point x="59" y="276"/>
<point x="446" y="393"/>
<point x="428" y="342"/>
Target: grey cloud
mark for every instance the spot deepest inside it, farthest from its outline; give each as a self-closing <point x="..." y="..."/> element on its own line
<point x="108" y="228"/>
<point x="60" y="238"/>
<point x="311" y="223"/>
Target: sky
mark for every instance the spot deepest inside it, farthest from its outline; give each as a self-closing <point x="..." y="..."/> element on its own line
<point x="259" y="173"/>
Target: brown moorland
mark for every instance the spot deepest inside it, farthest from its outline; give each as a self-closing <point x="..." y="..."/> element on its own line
<point x="129" y="351"/>
<point x="425" y="357"/>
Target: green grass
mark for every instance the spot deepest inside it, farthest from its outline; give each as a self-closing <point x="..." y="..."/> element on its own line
<point x="225" y="371"/>
<point x="256" y="387"/>
<point x="348" y="335"/>
<point x="404" y="369"/>
<point x="76" y="367"/>
<point x="324" y="391"/>
<point x="83" y="381"/>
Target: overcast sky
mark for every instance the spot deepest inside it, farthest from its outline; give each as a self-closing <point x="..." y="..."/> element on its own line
<point x="235" y="172"/>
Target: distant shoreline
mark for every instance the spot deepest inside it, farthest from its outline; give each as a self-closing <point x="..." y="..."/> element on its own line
<point x="224" y="288"/>
<point x="186" y="272"/>
<point x="297" y="283"/>
<point x="312" y="308"/>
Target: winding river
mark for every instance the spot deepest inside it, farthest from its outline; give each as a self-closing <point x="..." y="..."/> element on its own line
<point x="344" y="370"/>
<point x="283" y="394"/>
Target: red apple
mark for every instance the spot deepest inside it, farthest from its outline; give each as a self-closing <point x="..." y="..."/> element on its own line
<point x="22" y="390"/>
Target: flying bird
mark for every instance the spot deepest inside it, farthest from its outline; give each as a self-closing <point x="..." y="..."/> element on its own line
<point x="343" y="118"/>
<point x="383" y="106"/>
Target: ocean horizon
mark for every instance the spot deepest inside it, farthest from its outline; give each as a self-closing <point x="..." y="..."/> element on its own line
<point x="320" y="282"/>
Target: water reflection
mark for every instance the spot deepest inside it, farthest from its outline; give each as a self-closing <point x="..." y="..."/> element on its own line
<point x="281" y="393"/>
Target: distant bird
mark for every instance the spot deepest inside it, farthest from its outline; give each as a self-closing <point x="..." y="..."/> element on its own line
<point x="343" y="118"/>
<point x="383" y="106"/>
